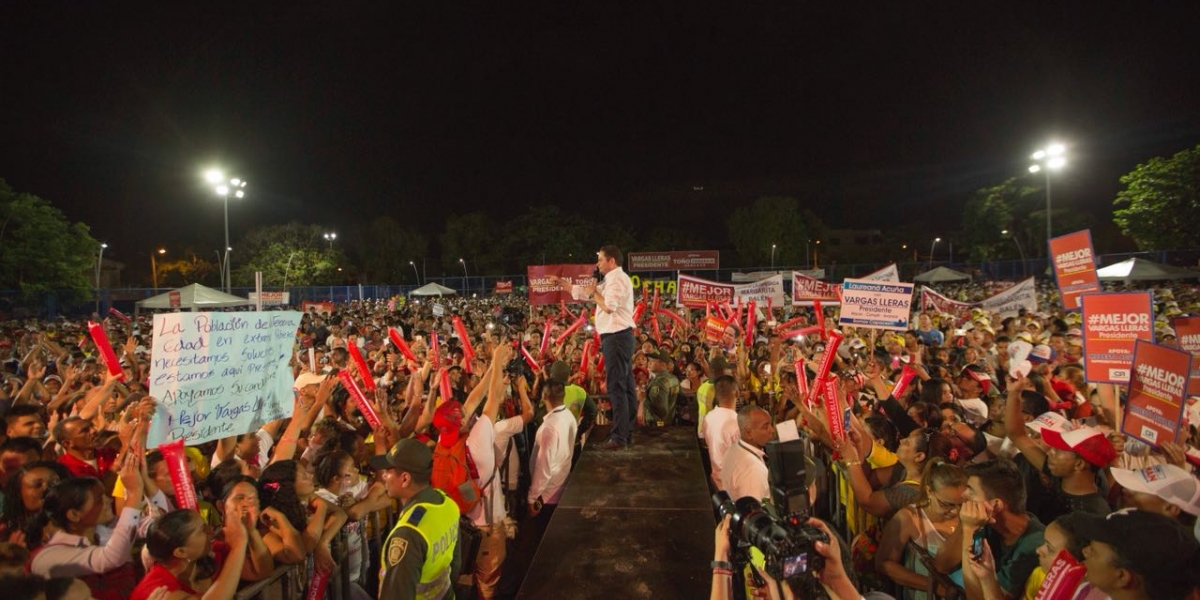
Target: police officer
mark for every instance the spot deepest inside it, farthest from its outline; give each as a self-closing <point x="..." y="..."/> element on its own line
<point x="420" y="557"/>
<point x="658" y="404"/>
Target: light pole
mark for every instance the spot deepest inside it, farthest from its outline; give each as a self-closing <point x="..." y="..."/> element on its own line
<point x="931" y="247"/>
<point x="99" y="267"/>
<point x="1051" y="158"/>
<point x="287" y="269"/>
<point x="154" y="266"/>
<point x="224" y="187"/>
<point x="807" y="260"/>
<point x="415" y="273"/>
<point x="816" y="255"/>
<point x="772" y="257"/>
<point x="330" y="237"/>
<point x="1020" y="251"/>
<point x="464" y="266"/>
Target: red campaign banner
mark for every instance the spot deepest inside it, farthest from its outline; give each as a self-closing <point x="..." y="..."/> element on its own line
<point x="1157" y="391"/>
<point x="806" y="289"/>
<point x="1187" y="331"/>
<point x="543" y="288"/>
<point x="1074" y="267"/>
<point x="697" y="260"/>
<point x="942" y="304"/>
<point x="503" y="287"/>
<point x="1112" y="323"/>
<point x="694" y="292"/>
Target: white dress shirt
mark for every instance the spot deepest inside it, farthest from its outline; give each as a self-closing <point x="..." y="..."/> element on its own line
<point x="553" y="446"/>
<point x="720" y="431"/>
<point x="745" y="472"/>
<point x="617" y="290"/>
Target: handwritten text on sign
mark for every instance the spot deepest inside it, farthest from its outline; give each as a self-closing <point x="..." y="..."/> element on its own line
<point x="220" y="374"/>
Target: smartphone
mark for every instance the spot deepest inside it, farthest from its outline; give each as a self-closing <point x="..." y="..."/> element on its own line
<point x="977" y="543"/>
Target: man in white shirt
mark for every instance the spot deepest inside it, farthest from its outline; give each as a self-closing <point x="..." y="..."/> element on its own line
<point x="614" y="323"/>
<point x="720" y="427"/>
<point x="745" y="464"/>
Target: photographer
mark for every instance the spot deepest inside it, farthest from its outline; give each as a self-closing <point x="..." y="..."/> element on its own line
<point x="832" y="576"/>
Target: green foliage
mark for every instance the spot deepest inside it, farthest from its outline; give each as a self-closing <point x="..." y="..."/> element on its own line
<point x="545" y="235"/>
<point x="44" y="254"/>
<point x="294" y="251"/>
<point x="1160" y="205"/>
<point x="769" y="220"/>
<point x="188" y="270"/>
<point x="470" y="236"/>
<point x="388" y="249"/>
<point x="986" y="215"/>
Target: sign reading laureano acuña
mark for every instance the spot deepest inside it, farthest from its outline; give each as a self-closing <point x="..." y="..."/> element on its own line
<point x="220" y="374"/>
<point x="1074" y="267"/>
<point x="875" y="304"/>
<point x="1156" y="393"/>
<point x="1112" y="323"/>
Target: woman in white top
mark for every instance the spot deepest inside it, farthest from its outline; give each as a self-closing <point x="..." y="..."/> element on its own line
<point x="926" y="523"/>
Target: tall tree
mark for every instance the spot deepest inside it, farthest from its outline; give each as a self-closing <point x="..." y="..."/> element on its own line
<point x="471" y="237"/>
<point x="44" y="254"/>
<point x="387" y="248"/>
<point x="1160" y="205"/>
<point x="985" y="216"/>
<point x="294" y="253"/>
<point x="769" y="220"/>
<point x="545" y="235"/>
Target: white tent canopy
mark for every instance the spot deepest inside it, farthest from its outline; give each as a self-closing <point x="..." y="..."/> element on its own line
<point x="194" y="297"/>
<point x="1140" y="269"/>
<point x="941" y="275"/>
<point x="432" y="289"/>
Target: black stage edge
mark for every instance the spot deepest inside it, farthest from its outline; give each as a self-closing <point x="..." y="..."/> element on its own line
<point x="634" y="523"/>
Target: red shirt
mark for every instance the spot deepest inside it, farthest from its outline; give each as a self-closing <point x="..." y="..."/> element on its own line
<point x="158" y="576"/>
<point x="105" y="457"/>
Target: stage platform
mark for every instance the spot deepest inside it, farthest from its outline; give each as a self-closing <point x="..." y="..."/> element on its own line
<point x="634" y="523"/>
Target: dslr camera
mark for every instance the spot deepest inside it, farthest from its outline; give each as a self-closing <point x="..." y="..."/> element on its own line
<point x="787" y="542"/>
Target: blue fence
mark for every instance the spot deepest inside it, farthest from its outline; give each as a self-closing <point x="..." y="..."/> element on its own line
<point x="124" y="298"/>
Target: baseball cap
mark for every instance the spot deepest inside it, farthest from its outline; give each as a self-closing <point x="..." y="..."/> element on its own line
<point x="1074" y="332"/>
<point x="407" y="455"/>
<point x="1088" y="442"/>
<point x="307" y="379"/>
<point x="1041" y="353"/>
<point x="1160" y="550"/>
<point x="1050" y="420"/>
<point x="979" y="375"/>
<point x="1169" y="482"/>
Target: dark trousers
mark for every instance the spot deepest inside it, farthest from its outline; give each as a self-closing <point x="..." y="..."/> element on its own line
<point x="618" y="364"/>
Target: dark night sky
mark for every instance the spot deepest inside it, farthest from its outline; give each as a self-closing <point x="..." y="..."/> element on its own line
<point x="335" y="112"/>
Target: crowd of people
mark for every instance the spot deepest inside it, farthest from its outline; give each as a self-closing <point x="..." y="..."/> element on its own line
<point x="978" y="476"/>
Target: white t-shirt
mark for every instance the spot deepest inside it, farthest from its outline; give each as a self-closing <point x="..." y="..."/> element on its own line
<point x="505" y="430"/>
<point x="481" y="443"/>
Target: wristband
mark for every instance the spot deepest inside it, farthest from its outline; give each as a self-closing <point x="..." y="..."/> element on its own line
<point x="725" y="572"/>
<point x="722" y="564"/>
<point x="851" y="463"/>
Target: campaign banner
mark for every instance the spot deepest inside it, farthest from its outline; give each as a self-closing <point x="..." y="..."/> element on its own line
<point x="1157" y="390"/>
<point x="503" y="287"/>
<point x="875" y="304"/>
<point x="1074" y="267"/>
<point x="807" y="287"/>
<point x="220" y="374"/>
<point x="324" y="308"/>
<point x="931" y="299"/>
<point x="1009" y="302"/>
<point x="662" y="286"/>
<point x="1187" y="331"/>
<point x="271" y="298"/>
<point x="1112" y="323"/>
<point x="693" y="260"/>
<point x="543" y="288"/>
<point x="694" y="292"/>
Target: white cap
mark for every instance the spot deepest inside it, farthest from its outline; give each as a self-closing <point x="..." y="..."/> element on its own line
<point x="307" y="379"/>
<point x="1169" y="482"/>
<point x="1052" y="420"/>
